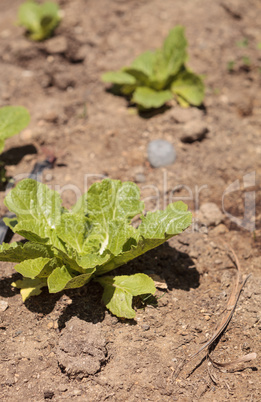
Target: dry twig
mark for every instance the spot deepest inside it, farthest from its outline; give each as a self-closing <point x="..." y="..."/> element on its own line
<point x="230" y="309"/>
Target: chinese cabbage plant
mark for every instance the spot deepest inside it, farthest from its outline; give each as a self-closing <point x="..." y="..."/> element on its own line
<point x="66" y="249"/>
<point x="40" y="20"/>
<point x="13" y="119"/>
<point x="155" y="77"/>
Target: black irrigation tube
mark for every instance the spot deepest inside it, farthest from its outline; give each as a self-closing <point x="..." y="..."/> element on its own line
<point x="5" y="232"/>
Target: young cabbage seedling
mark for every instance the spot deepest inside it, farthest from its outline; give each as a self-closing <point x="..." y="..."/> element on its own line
<point x="66" y="249"/>
<point x="155" y="77"/>
<point x="13" y="119"/>
<point x="40" y="20"/>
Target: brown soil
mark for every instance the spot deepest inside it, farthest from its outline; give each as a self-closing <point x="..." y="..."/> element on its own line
<point x="93" y="133"/>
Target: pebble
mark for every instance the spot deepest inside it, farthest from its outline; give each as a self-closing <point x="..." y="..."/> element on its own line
<point x="145" y="327"/>
<point x="62" y="388"/>
<point x="210" y="215"/>
<point x="77" y="392"/>
<point x="51" y="117"/>
<point x="50" y="325"/>
<point x="181" y="115"/>
<point x="3" y="305"/>
<point x="58" y="44"/>
<point x="194" y="131"/>
<point x="48" y="394"/>
<point x="63" y="80"/>
<point x="161" y="153"/>
<point x="26" y="135"/>
<point x="80" y="54"/>
<point x="220" y="229"/>
<point x="140" y="178"/>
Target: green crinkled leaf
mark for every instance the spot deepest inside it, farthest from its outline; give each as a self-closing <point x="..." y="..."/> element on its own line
<point x="110" y="200"/>
<point x="143" y="64"/>
<point x="174" y="49"/>
<point x="40" y="20"/>
<point x="38" y="210"/>
<point x="32" y="268"/>
<point x="119" y="292"/>
<point x="159" y="79"/>
<point x="155" y="229"/>
<point x="18" y="252"/>
<point x="64" y="278"/>
<point x="74" y="229"/>
<point x="119" y="78"/>
<point x="13" y="119"/>
<point x="119" y="232"/>
<point x="170" y="222"/>
<point x="148" y="98"/>
<point x="190" y="87"/>
<point x="38" y="267"/>
<point x="29" y="287"/>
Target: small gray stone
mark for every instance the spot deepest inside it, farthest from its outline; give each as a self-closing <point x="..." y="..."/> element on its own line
<point x="161" y="153"/>
<point x="210" y="215"/>
<point x="58" y="44"/>
<point x="194" y="131"/>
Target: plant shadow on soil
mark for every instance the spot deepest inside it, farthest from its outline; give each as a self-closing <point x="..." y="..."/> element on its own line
<point x="146" y="113"/>
<point x="176" y="268"/>
<point x="14" y="155"/>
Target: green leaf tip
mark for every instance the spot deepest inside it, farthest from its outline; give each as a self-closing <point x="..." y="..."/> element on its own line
<point x="155" y="77"/>
<point x="67" y="249"/>
<point x="29" y="287"/>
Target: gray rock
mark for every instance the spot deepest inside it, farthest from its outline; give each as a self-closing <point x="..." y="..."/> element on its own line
<point x="58" y="44"/>
<point x="81" y="349"/>
<point x="181" y="115"/>
<point x="161" y="153"/>
<point x="210" y="215"/>
<point x="194" y="131"/>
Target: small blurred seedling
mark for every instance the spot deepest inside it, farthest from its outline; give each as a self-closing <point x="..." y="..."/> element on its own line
<point x="242" y="43"/>
<point x="40" y="20"/>
<point x="156" y="77"/>
<point x="231" y="66"/>
<point x="246" y="61"/>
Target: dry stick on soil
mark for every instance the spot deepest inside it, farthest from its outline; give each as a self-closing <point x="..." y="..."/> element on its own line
<point x="231" y="306"/>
